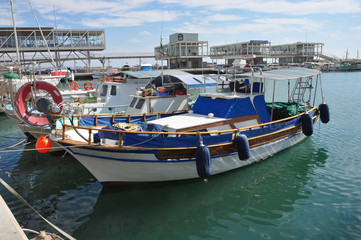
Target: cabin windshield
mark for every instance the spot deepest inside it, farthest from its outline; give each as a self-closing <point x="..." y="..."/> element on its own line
<point x="104" y="90"/>
<point x="133" y="102"/>
<point x="113" y="91"/>
<point x="140" y="104"/>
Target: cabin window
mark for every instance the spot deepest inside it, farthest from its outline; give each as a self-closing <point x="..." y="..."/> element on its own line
<point x="103" y="93"/>
<point x="140" y="104"/>
<point x="133" y="102"/>
<point x="113" y="90"/>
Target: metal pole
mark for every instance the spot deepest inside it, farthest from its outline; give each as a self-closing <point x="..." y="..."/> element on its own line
<point x="273" y="98"/>
<point x="16" y="35"/>
<point x="41" y="32"/>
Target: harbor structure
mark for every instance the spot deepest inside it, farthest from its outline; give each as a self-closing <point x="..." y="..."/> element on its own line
<point x="298" y="52"/>
<point x="75" y="43"/>
<point x="184" y="50"/>
<point x="254" y="50"/>
<point x="259" y="51"/>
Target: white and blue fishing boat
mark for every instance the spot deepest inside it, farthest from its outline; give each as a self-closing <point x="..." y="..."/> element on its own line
<point x="223" y="131"/>
<point x="33" y="106"/>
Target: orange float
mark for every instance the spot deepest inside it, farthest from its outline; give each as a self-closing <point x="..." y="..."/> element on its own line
<point x="43" y="144"/>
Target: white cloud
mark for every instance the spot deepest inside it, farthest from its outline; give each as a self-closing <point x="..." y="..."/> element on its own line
<point x="6" y="18"/>
<point x="268" y="25"/>
<point x="145" y="33"/>
<point x="114" y="8"/>
<point x="223" y="17"/>
<point x="357" y="28"/>
<point x="136" y="40"/>
<point x="274" y="6"/>
<point x="131" y="18"/>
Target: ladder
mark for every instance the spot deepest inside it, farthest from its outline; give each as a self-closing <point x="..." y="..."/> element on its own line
<point x="299" y="91"/>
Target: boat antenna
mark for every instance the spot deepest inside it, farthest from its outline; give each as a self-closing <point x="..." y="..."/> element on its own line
<point x="15" y="34"/>
<point x="55" y="25"/>
<point x="42" y="35"/>
<point x="161" y="48"/>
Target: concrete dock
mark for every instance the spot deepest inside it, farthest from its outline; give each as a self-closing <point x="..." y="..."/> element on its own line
<point x="9" y="227"/>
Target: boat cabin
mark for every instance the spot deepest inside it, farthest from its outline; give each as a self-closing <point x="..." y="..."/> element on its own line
<point x="109" y="97"/>
<point x="168" y="93"/>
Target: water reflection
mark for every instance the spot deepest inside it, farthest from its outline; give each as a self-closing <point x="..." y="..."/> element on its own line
<point x="262" y="194"/>
<point x="251" y="202"/>
<point x="53" y="185"/>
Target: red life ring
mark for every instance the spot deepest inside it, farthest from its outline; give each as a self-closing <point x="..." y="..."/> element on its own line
<point x="23" y="94"/>
<point x="88" y="85"/>
<point x="76" y="87"/>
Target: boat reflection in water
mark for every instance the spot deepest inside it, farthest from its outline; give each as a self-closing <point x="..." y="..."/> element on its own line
<point x="53" y="185"/>
<point x="233" y="202"/>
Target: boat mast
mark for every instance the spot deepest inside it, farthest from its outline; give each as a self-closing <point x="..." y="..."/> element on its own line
<point x="42" y="35"/>
<point x="15" y="34"/>
<point x="161" y="48"/>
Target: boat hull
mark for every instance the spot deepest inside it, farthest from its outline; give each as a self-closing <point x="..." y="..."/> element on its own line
<point x="120" y="166"/>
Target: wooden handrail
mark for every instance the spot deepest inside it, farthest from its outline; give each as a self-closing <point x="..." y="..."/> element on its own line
<point x="190" y="133"/>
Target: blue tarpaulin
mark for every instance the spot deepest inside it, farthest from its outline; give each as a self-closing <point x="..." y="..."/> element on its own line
<point x="261" y="108"/>
<point x="224" y="108"/>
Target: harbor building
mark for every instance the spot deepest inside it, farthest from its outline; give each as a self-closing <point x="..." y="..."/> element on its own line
<point x="72" y="43"/>
<point x="184" y="50"/>
<point x="299" y="52"/>
<point x="254" y="50"/>
<point x="261" y="52"/>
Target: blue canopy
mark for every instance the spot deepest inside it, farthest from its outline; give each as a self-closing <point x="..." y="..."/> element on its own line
<point x="224" y="108"/>
<point x="261" y="108"/>
<point x="192" y="81"/>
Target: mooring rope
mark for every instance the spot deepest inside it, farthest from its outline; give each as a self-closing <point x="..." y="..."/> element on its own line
<point x="17" y="195"/>
<point x="34" y="149"/>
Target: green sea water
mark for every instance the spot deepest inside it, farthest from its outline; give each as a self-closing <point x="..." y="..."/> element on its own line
<point x="309" y="191"/>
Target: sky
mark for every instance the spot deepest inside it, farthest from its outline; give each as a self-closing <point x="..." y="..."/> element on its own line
<point x="135" y="26"/>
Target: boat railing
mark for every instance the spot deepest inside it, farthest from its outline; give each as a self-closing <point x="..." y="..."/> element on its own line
<point x="197" y="133"/>
<point x="128" y="115"/>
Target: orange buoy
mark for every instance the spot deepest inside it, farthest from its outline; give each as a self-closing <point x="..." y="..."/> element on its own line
<point x="74" y="85"/>
<point x="43" y="144"/>
<point x="88" y="85"/>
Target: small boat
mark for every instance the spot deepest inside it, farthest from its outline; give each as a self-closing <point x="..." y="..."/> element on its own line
<point x="97" y="75"/>
<point x="29" y="104"/>
<point x="146" y="67"/>
<point x="222" y="132"/>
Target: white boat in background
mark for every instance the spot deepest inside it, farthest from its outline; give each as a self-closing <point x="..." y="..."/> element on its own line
<point x="224" y="131"/>
<point x="170" y="93"/>
<point x="146" y="67"/>
<point x="108" y="97"/>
